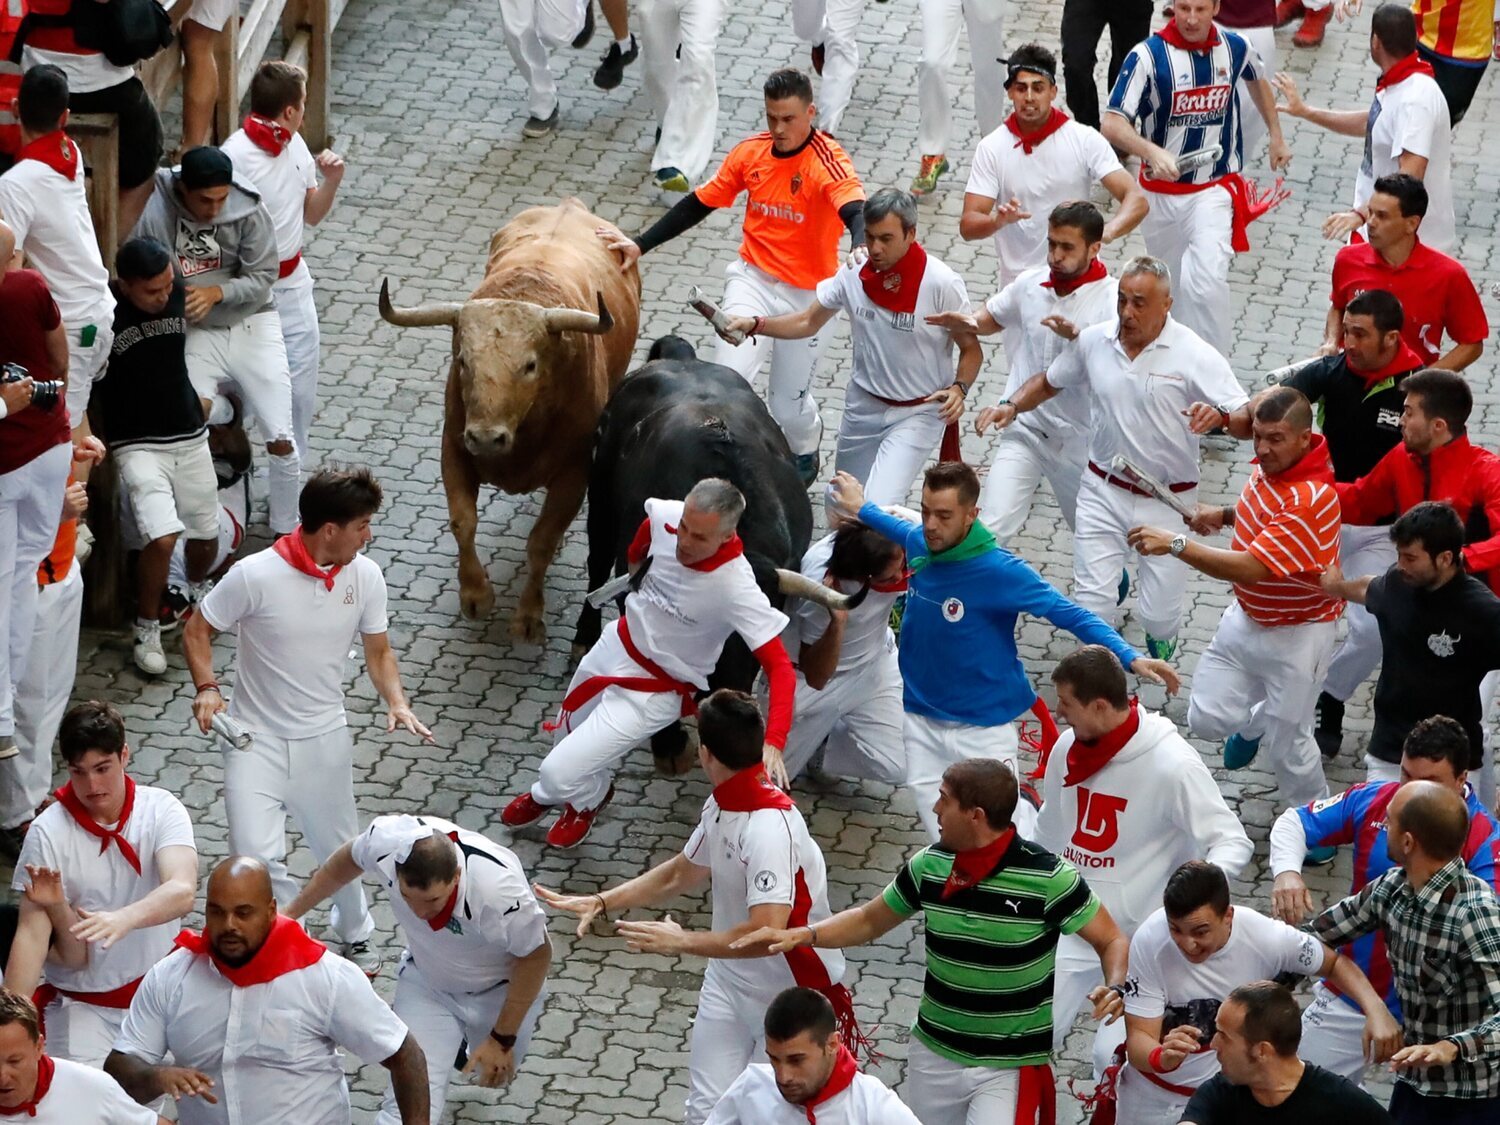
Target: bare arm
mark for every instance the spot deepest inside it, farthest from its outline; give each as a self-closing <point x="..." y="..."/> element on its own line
<point x="859" y="925"/>
<point x="970" y="358"/>
<point x="1348" y="122"/>
<point x="1333" y="332"/>
<point x="198" y="649"/>
<point x="1412" y="164"/>
<point x="177" y="867"/>
<point x="788" y="326"/>
<point x="750" y="938"/>
<point x="320" y="199"/>
<point x="1132" y="205"/>
<point x="1382" y="1034"/>
<point x="337" y="872"/>
<point x="385" y="674"/>
<point x="28" y="950"/>
<point x="1460" y="356"/>
<point x="664" y="882"/>
<point x="820" y="659"/>
<point x="1232" y="566"/>
<point x="490" y="1063"/>
<point x="408" y="1068"/>
<point x="1265" y="101"/>
<point x="1350" y="589"/>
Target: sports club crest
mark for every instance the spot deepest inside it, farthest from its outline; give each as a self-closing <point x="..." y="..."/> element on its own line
<point x="953" y="611"/>
<point x="890" y="281"/>
<point x="796" y="183"/>
<point x="454" y="926"/>
<point x="1441" y="644"/>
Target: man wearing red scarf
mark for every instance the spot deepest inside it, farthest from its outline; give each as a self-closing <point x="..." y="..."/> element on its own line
<point x="37" y="1089"/>
<point x="253" y="1012"/>
<point x="641" y="676"/>
<point x="1406" y="129"/>
<point x="765" y="873"/>
<point x="1037" y="160"/>
<point x="129" y="867"/>
<point x="904" y="394"/>
<point x="1257" y="684"/>
<point x="1125" y="798"/>
<point x="811" y="1079"/>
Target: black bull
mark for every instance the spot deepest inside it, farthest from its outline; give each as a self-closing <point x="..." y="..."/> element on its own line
<point x="669" y="425"/>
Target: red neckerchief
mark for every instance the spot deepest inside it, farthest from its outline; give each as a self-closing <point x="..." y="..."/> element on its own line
<point x="898" y="586"/>
<point x="1065" y="285"/>
<point x="71" y="801"/>
<point x="1086" y="757"/>
<point x="975" y="864"/>
<point x="840" y="1080"/>
<point x="895" y="289"/>
<point x="1028" y="141"/>
<point x="266" y="134"/>
<point x="732" y="549"/>
<point x="294" y="550"/>
<point x="56" y="151"/>
<point x="439" y="921"/>
<point x="1314" y="465"/>
<point x="749" y="790"/>
<point x="1406" y="360"/>
<point x="1401" y="71"/>
<point x="45" y="1068"/>
<point x="1174" y="38"/>
<point x="287" y="948"/>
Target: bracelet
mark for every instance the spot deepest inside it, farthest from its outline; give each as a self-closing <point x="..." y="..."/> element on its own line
<point x="1118" y="990"/>
<point x="1153" y="1060"/>
<point x="812" y="936"/>
<point x="760" y="326"/>
<point x="207" y="685"/>
<point x="963" y="388"/>
<point x="602" y="909"/>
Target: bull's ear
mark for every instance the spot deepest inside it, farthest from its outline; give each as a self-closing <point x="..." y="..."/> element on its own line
<point x="606" y="322"/>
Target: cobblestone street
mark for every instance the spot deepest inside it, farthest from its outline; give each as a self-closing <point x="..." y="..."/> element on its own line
<point x="428" y="113"/>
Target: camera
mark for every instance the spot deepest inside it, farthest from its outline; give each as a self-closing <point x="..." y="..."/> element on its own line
<point x="44" y="392"/>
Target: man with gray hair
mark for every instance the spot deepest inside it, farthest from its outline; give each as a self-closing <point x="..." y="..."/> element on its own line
<point x="694" y="588"/>
<point x="1151" y="378"/>
<point x="904" y="393"/>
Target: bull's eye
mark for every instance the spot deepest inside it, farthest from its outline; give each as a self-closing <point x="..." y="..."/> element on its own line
<point x="530" y="368"/>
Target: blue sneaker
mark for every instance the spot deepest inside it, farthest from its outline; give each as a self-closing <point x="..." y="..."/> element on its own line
<point x="1159" y="649"/>
<point x="1240" y="751"/>
<point x="1319" y="857"/>
<point x="1124" y="590"/>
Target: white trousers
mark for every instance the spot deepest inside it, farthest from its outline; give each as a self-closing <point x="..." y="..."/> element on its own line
<point x="1191" y="233"/>
<point x="86" y="365"/>
<point x="234" y="502"/>
<point x="1252" y="125"/>
<point x="1106" y="513"/>
<point x="1362" y="550"/>
<point x="313" y="780"/>
<point x="251" y="355"/>
<point x="728" y="1035"/>
<point x="941" y="20"/>
<point x="682" y="88"/>
<point x="591" y="742"/>
<point x="31" y="500"/>
<point x="1073" y="979"/>
<point x="859" y="713"/>
<point x="1378" y="770"/>
<point x="1262" y="682"/>
<point x="942" y="1092"/>
<point x="835" y="25"/>
<point x="1142" y="1102"/>
<point x="752" y="292"/>
<point x="884" y="447"/>
<point x="42" y="697"/>
<point x="1022" y="459"/>
<point x="441" y="1022"/>
<point x="82" y="1033"/>
<point x="298" y="313"/>
<point x="1333" y="1035"/>
<point x="530" y="27"/>
<point x="932" y="745"/>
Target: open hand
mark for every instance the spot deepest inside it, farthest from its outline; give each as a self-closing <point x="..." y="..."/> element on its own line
<point x="46" y="886"/>
<point x="1108" y="1004"/>
<point x="616" y="240"/>
<point x="585" y="907"/>
<point x="492" y="1064"/>
<point x="105" y="927"/>
<point x="1291" y="901"/>
<point x="185" y="1082"/>
<point x="665" y="936"/>
<point x="402" y="716"/>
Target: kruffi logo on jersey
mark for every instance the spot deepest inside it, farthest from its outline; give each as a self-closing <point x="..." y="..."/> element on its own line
<point x="1200" y="105"/>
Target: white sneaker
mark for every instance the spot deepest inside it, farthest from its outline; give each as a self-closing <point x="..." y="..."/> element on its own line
<point x="149" y="657"/>
<point x="366" y="957"/>
<point x="197" y="591"/>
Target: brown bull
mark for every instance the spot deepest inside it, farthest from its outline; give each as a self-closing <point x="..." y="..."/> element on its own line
<point x="537" y="349"/>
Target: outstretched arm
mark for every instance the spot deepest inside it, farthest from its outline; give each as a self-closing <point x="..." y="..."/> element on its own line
<point x="859" y="925"/>
<point x="408" y="1069"/>
<point x="336" y="873"/>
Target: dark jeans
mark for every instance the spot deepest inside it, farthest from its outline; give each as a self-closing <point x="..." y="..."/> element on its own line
<point x="139" y="124"/>
<point x="1083" y="22"/>
<point x="1411" y="1108"/>
<point x="1457" y="80"/>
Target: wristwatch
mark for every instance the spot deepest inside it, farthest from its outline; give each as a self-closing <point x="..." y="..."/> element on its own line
<point x="507" y="1042"/>
<point x="1178" y="544"/>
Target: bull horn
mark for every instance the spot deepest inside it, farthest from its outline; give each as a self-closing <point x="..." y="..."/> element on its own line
<point x="421" y="316"/>
<point x="800" y="586"/>
<point x="575" y="320"/>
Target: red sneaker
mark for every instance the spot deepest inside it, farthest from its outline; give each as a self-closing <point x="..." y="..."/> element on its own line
<point x="524" y="810"/>
<point x="1287" y="11"/>
<point x="1310" y="34"/>
<point x="574" y="824"/>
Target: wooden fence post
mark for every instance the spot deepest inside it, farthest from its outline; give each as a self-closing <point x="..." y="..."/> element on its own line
<point x="319" y="50"/>
<point x="227" y="56"/>
<point x="98" y="137"/>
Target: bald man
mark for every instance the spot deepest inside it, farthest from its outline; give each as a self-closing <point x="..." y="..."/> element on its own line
<point x="253" y="1012"/>
<point x="1442" y="932"/>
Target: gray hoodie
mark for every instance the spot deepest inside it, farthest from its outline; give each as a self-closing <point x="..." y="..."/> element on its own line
<point x="237" y="251"/>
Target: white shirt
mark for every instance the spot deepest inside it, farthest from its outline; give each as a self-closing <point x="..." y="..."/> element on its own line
<point x="1412" y="116"/>
<point x="294" y="642"/>
<point x="1064" y="167"/>
<point x="98" y="881"/>
<point x="49" y="215"/>
<point x="271" y="1049"/>
<point x="1151" y="808"/>
<point x="681" y="617"/>
<point x="81" y="1095"/>
<point x="283" y="182"/>
<point x="1162" y="982"/>
<point x="1019" y="309"/>
<point x="495" y="920"/>
<point x="867" y="632"/>
<point x="756" y="858"/>
<point x="753" y="1099"/>
<point x="87" y="74"/>
<point x="1138" y="403"/>
<point x="898" y="356"/>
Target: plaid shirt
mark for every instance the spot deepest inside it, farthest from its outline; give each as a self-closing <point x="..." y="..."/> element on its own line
<point x="1443" y="942"/>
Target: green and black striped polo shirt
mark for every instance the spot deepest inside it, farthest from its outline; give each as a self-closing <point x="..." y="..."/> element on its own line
<point x="987" y="1000"/>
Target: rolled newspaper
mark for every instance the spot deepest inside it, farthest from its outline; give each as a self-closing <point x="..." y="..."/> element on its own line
<point x="712" y="313"/>
<point x="1126" y="468"/>
<point x="1199" y="157"/>
<point x="230" y="731"/>
<point x="1282" y="374"/>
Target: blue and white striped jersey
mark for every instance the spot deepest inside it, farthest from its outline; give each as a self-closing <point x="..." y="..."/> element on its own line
<point x="1184" y="100"/>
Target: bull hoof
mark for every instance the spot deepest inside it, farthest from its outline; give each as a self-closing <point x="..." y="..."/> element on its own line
<point x="476" y="605"/>
<point x="528" y="629"/>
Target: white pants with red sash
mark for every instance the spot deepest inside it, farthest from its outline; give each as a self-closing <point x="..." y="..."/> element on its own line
<point x="859" y="714"/>
<point x="943" y="1092"/>
<point x="83" y="1030"/>
<point x="592" y="738"/>
<point x="885" y="446"/>
<point x="1192" y="234"/>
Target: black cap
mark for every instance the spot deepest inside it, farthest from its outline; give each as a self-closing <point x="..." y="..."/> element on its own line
<point x="205" y="167"/>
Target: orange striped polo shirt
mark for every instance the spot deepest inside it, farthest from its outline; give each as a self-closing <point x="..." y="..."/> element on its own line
<point x="1290" y="523"/>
